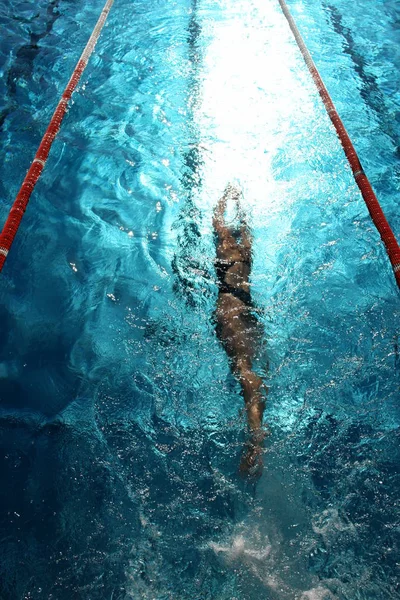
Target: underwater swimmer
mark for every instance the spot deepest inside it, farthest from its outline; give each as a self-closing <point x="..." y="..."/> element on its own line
<point x="236" y="326"/>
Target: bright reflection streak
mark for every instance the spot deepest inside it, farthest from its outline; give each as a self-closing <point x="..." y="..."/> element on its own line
<point x="256" y="93"/>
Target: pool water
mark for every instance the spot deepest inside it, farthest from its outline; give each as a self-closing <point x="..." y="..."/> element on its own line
<point x="121" y="425"/>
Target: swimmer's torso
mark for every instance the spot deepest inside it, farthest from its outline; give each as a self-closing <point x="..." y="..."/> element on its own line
<point x="232" y="266"/>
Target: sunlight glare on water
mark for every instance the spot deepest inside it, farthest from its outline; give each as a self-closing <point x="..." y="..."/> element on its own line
<point x="252" y="89"/>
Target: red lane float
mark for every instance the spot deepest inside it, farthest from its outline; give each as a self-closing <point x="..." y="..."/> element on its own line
<point x="375" y="210"/>
<point x="17" y="211"/>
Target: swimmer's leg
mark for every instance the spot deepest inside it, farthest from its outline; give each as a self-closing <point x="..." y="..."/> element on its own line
<point x="253" y="388"/>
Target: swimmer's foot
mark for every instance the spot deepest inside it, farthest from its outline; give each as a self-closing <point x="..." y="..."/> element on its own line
<point x="251" y="464"/>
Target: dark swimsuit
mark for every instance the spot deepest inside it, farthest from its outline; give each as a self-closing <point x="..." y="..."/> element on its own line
<point x="248" y="314"/>
<point x="221" y="268"/>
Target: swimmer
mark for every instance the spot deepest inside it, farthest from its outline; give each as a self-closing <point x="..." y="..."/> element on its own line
<point x="236" y="326"/>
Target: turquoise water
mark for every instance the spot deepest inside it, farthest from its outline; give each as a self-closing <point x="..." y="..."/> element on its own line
<point x="121" y="426"/>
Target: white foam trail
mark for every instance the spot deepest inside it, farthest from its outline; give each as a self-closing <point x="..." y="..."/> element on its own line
<point x="240" y="549"/>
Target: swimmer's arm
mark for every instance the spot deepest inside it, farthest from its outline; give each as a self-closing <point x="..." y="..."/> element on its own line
<point x="218" y="217"/>
<point x="246" y="238"/>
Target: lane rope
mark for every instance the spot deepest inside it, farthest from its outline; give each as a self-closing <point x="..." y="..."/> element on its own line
<point x="18" y="208"/>
<point x="374" y="208"/>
